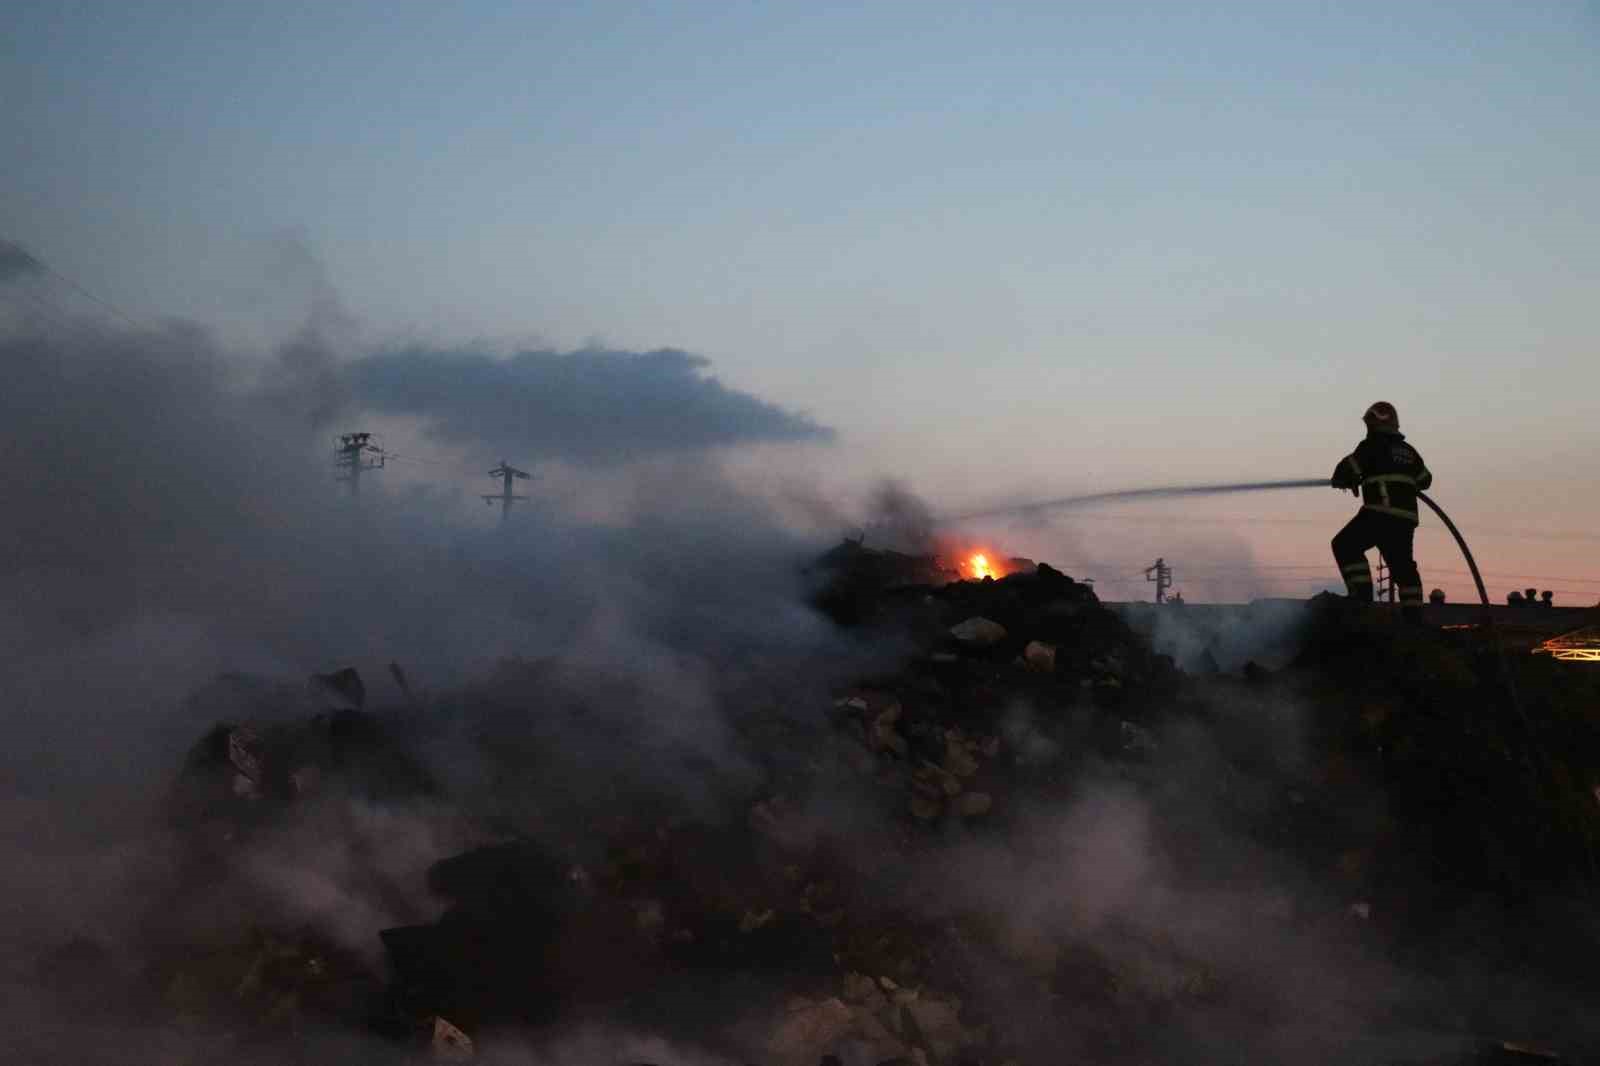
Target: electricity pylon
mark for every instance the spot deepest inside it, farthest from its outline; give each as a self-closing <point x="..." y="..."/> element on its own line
<point x="352" y="458"/>
<point x="506" y="473"/>
<point x="1161" y="574"/>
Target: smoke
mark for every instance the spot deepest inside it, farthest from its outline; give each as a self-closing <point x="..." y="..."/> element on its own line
<point x="900" y="519"/>
<point x="306" y="377"/>
<point x="1145" y="896"/>
<point x="172" y="514"/>
<point x="591" y="406"/>
<point x="1203" y="638"/>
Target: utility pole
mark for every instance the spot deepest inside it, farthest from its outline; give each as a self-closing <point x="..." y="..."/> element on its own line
<point x="506" y="473"/>
<point x="351" y="457"/>
<point x="1161" y="574"/>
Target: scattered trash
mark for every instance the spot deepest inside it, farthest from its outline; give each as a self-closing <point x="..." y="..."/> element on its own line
<point x="978" y="632"/>
<point x="1040" y="656"/>
<point x="973" y="804"/>
<point x="449" y="1043"/>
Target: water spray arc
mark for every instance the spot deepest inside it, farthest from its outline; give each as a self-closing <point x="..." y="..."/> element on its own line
<point x="1135" y="494"/>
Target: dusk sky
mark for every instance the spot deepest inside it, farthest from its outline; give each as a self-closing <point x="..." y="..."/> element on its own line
<point x="1000" y="251"/>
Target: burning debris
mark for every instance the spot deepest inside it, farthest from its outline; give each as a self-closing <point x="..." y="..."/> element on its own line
<point x="1030" y="838"/>
<point x="850" y="580"/>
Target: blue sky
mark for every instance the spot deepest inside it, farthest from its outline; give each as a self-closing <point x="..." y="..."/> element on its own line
<point x="1002" y="249"/>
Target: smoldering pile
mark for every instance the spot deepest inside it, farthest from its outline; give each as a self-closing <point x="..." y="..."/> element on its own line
<point x="872" y="885"/>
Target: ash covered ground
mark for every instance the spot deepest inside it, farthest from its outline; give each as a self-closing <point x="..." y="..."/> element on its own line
<point x="668" y="789"/>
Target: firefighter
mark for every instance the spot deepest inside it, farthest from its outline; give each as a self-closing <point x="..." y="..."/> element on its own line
<point x="1387" y="473"/>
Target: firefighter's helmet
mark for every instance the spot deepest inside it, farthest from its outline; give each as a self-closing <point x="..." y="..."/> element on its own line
<point x="1382" y="417"/>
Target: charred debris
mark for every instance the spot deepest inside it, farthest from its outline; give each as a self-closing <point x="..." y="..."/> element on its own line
<point x="874" y="886"/>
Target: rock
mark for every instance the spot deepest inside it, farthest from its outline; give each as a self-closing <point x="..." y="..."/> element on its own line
<point x="1040" y="657"/>
<point x="342" y="689"/>
<point x="244" y="752"/>
<point x="649" y="916"/>
<point x="935" y="1025"/>
<point x="1255" y="673"/>
<point x="957" y="759"/>
<point x="881" y="1042"/>
<point x="972" y="804"/>
<point x="449" y="1043"/>
<point x="859" y="988"/>
<point x="305" y="780"/>
<point x="807" y="1030"/>
<point x="940" y="780"/>
<point x="979" y="632"/>
<point x="1112" y="664"/>
<point x="925" y="808"/>
<point x="883" y="736"/>
<point x="1510" y="1050"/>
<point x="779" y="821"/>
<point x="1137" y="740"/>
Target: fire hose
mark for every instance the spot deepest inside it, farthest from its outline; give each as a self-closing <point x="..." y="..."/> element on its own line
<point x="1483" y="594"/>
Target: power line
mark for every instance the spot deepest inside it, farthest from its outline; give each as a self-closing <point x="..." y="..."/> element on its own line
<point x="396" y="457"/>
<point x="107" y="304"/>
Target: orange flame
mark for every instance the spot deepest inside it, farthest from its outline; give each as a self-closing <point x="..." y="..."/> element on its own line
<point x="974" y="562"/>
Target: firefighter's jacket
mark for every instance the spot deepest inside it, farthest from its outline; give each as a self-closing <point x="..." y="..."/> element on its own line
<point x="1388" y="471"/>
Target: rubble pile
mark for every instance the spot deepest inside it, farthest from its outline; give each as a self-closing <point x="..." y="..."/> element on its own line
<point x="854" y="907"/>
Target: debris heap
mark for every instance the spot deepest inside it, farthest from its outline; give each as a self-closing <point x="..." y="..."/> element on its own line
<point x="852" y="903"/>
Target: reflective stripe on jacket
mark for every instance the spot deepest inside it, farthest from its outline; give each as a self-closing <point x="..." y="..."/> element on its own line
<point x="1388" y="471"/>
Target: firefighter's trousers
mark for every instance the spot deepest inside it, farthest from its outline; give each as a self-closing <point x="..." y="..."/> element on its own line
<point x="1390" y="535"/>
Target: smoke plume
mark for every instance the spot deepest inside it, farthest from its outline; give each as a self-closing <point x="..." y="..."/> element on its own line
<point x="590" y="406"/>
